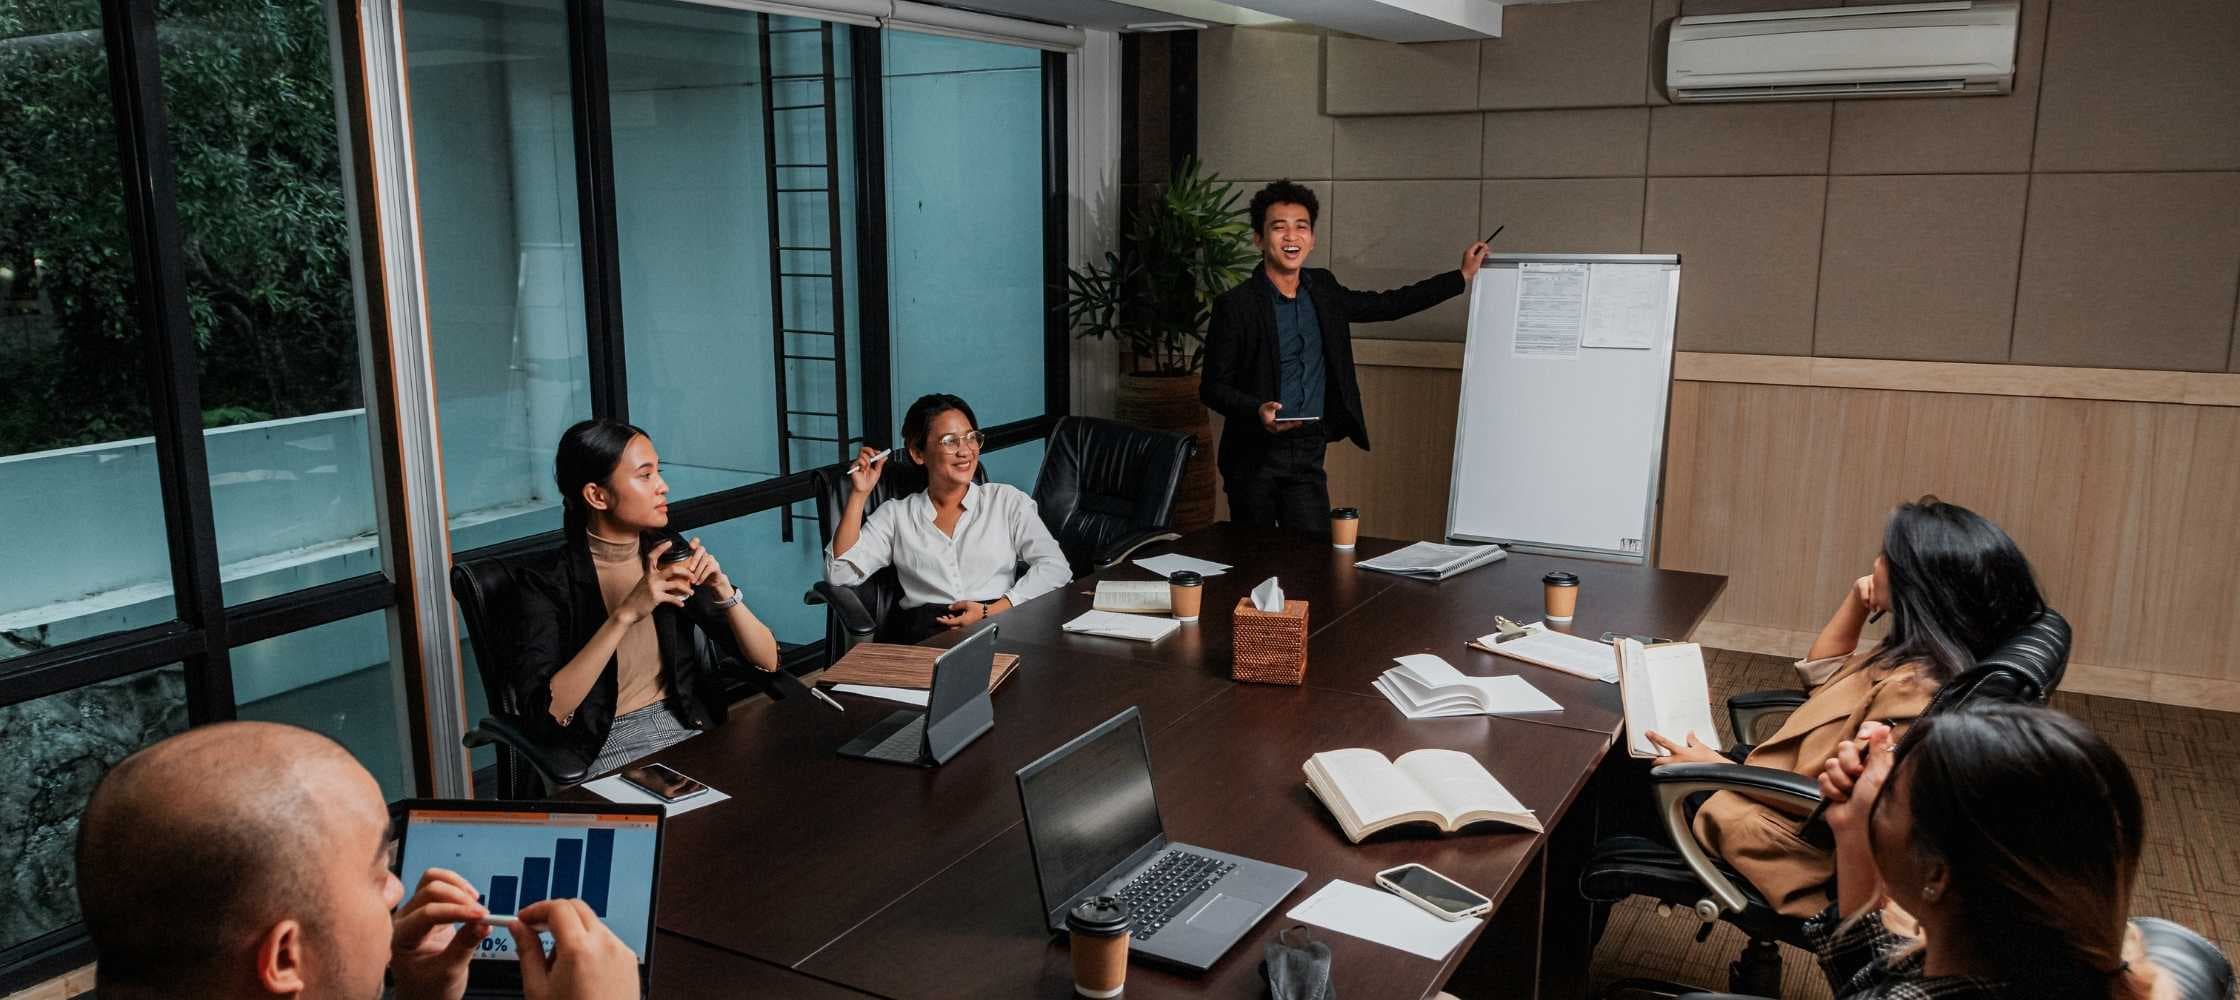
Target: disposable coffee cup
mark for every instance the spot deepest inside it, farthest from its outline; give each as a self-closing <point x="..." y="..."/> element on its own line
<point x="1099" y="930"/>
<point x="1187" y="592"/>
<point x="1562" y="592"/>
<point x="1345" y="527"/>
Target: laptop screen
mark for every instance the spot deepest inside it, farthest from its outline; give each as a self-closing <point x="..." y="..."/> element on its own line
<point x="515" y="856"/>
<point x="1089" y="807"/>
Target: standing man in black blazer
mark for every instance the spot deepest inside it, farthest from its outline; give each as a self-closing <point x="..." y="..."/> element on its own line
<point x="1279" y="364"/>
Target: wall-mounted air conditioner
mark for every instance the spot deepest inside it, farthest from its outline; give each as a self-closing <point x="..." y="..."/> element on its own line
<point x="1890" y="50"/>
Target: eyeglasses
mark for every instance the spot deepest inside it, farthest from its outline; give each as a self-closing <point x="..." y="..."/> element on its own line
<point x="958" y="444"/>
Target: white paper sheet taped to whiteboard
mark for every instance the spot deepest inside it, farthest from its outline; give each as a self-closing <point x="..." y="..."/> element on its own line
<point x="1625" y="306"/>
<point x="1551" y="310"/>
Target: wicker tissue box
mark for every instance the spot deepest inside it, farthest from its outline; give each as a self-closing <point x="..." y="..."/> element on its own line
<point x="1271" y="647"/>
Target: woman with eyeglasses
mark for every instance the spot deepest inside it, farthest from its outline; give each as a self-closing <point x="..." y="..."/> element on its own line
<point x="1989" y="854"/>
<point x="957" y="546"/>
<point x="1955" y="588"/>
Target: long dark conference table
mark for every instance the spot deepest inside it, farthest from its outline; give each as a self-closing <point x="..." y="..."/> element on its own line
<point x="824" y="876"/>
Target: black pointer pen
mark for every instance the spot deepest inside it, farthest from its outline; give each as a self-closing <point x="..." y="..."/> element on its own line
<point x="1496" y="232"/>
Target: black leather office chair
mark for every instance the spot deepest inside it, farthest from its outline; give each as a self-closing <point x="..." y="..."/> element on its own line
<point x="488" y="596"/>
<point x="1678" y="871"/>
<point x="863" y="611"/>
<point x="2195" y="966"/>
<point x="1107" y="489"/>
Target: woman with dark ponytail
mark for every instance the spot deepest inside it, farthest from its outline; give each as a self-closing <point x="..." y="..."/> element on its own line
<point x="1990" y="853"/>
<point x="607" y="661"/>
<point x="1955" y="588"/>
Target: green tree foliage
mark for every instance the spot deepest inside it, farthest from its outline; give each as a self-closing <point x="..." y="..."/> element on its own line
<point x="248" y="92"/>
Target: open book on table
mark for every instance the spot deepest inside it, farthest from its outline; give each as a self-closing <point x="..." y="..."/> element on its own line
<point x="1448" y="789"/>
<point x="1135" y="596"/>
<point x="1664" y="688"/>
<point x="1424" y="686"/>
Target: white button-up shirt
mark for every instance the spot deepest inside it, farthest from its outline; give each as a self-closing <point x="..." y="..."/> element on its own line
<point x="999" y="529"/>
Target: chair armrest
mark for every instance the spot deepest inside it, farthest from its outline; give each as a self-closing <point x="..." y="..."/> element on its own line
<point x="855" y="619"/>
<point x="559" y="768"/>
<point x="1746" y="710"/>
<point x="1675" y="783"/>
<point x="1125" y="547"/>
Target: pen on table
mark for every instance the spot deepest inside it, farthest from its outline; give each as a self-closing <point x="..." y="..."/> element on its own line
<point x="852" y="468"/>
<point x="827" y="699"/>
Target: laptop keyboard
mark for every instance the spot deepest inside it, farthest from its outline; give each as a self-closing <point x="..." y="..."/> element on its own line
<point x="1169" y="885"/>
<point x="904" y="745"/>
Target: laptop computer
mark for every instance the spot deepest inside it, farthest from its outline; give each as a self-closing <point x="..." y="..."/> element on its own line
<point x="958" y="710"/>
<point x="1093" y="824"/>
<point x="607" y="854"/>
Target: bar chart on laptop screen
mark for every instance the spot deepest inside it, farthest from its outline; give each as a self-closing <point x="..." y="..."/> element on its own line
<point x="515" y="859"/>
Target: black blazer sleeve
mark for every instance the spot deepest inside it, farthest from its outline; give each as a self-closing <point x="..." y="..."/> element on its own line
<point x="537" y="656"/>
<point x="1378" y="307"/>
<point x="1225" y="361"/>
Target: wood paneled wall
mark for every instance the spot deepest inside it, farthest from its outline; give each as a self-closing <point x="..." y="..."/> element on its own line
<point x="2129" y="508"/>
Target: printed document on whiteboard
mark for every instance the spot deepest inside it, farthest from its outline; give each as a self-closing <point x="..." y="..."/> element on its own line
<point x="1625" y="305"/>
<point x="1551" y="310"/>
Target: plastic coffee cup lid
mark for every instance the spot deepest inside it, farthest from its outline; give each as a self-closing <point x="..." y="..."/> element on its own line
<point x="1345" y="513"/>
<point x="1185" y="578"/>
<point x="1560" y="578"/>
<point x="1100" y="915"/>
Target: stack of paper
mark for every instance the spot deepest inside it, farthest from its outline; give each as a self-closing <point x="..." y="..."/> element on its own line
<point x="1138" y="596"/>
<point x="1424" y="686"/>
<point x="1557" y="651"/>
<point x="1362" y="912"/>
<point x="1170" y="564"/>
<point x="1432" y="561"/>
<point x="1118" y="626"/>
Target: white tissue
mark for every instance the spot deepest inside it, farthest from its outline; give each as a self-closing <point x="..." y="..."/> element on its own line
<point x="1268" y="596"/>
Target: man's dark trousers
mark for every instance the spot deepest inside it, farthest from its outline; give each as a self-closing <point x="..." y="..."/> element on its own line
<point x="1288" y="488"/>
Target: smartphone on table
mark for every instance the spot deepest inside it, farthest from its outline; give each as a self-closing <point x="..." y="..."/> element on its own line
<point x="663" y="782"/>
<point x="1443" y="896"/>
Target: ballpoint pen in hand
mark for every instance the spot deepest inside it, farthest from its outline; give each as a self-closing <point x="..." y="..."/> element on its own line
<point x="858" y="465"/>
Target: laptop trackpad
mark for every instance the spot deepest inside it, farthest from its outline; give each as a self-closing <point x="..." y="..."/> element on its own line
<point x="1224" y="914"/>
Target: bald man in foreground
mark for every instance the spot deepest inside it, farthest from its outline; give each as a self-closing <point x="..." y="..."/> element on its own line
<point x="245" y="859"/>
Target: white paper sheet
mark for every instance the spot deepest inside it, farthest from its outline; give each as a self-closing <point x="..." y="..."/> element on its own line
<point x="1172" y="563"/>
<point x="1625" y="306"/>
<point x="1381" y="917"/>
<point x="1558" y="651"/>
<point x="1141" y="628"/>
<point x="907" y="696"/>
<point x="613" y="789"/>
<point x="1551" y="310"/>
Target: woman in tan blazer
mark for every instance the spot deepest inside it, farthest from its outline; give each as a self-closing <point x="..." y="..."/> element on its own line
<point x="1955" y="587"/>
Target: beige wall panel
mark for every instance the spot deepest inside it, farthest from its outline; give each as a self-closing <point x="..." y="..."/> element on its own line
<point x="1948" y="134"/>
<point x="1583" y="216"/>
<point x="1920" y="268"/>
<point x="1750" y="250"/>
<point x="1699" y="8"/>
<point x="1602" y="142"/>
<point x="2236" y="331"/>
<point x="2130" y="271"/>
<point x="1400" y="232"/>
<point x="2141" y="86"/>
<point x="1736" y="139"/>
<point x="1785" y="489"/>
<point x="1363" y="76"/>
<point x="1325" y="228"/>
<point x="1260" y="103"/>
<point x="1401" y="486"/>
<point x="1408" y="146"/>
<point x="1571" y="55"/>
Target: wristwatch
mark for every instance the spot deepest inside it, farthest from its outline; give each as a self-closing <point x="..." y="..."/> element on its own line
<point x="730" y="602"/>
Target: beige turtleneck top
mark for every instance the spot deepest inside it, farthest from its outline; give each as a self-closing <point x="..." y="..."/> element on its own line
<point x="638" y="658"/>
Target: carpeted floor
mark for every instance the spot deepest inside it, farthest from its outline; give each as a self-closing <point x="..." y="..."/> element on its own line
<point x="2186" y="760"/>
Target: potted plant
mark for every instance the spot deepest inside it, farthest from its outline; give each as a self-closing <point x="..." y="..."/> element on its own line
<point x="1154" y="297"/>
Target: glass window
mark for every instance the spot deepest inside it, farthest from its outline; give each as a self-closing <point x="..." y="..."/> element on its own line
<point x="75" y="456"/>
<point x="734" y="206"/>
<point x="964" y="218"/>
<point x="494" y="159"/>
<point x="771" y="572"/>
<point x="52" y="751"/>
<point x="334" y="679"/>
<point x="248" y="89"/>
<point x="1016" y="465"/>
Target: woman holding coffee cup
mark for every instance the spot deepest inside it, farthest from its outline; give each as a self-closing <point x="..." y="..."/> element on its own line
<point x="1955" y="588"/>
<point x="958" y="544"/>
<point x="605" y="666"/>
